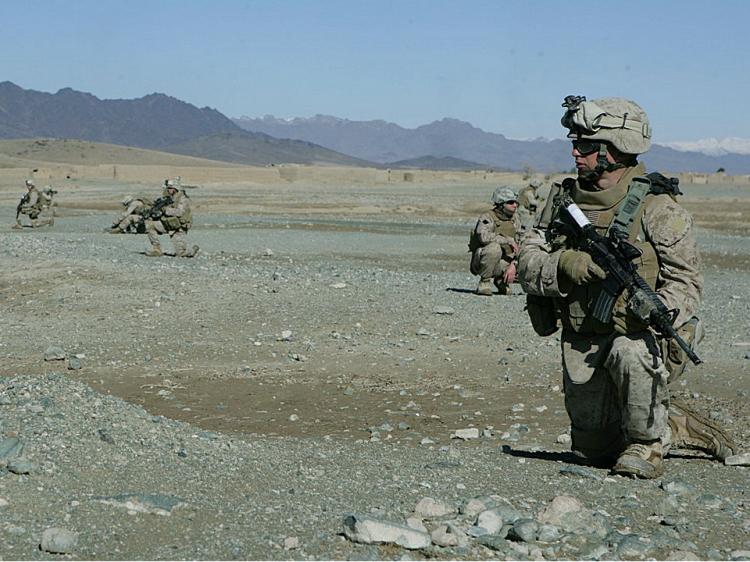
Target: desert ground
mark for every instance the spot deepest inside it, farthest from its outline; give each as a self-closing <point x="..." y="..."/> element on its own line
<point x="317" y="359"/>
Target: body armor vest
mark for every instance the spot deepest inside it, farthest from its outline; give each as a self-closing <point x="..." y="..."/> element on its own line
<point x="573" y="310"/>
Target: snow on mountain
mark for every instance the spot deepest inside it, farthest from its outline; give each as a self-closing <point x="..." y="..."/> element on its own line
<point x="713" y="146"/>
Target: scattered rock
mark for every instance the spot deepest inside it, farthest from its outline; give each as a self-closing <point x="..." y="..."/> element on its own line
<point x="54" y="353"/>
<point x="466" y="434"/>
<point x="429" y="508"/>
<point x="742" y="459"/>
<point x="58" y="541"/>
<point x="443" y="310"/>
<point x="448" y="535"/>
<point x="74" y="363"/>
<point x="490" y="520"/>
<point x="158" y="504"/>
<point x="9" y="449"/>
<point x="364" y="529"/>
<point x="560" y="506"/>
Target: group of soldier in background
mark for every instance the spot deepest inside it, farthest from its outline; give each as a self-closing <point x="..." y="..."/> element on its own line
<point x="33" y="204"/>
<point x="169" y="214"/>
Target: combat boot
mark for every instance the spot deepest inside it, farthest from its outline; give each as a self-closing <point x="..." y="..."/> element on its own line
<point x="690" y="430"/>
<point x="17" y="226"/>
<point x="502" y="287"/>
<point x="485" y="287"/>
<point x="641" y="460"/>
<point x="115" y="230"/>
<point x="192" y="253"/>
<point x="154" y="252"/>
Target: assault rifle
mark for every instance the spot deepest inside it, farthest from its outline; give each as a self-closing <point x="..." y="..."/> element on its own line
<point x="21" y="203"/>
<point x="157" y="209"/>
<point x="614" y="254"/>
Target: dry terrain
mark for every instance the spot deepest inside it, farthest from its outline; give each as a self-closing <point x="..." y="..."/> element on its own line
<point x="325" y="313"/>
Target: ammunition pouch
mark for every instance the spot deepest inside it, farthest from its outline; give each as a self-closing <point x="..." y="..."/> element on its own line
<point x="171" y="223"/>
<point x="675" y="359"/>
<point x="541" y="311"/>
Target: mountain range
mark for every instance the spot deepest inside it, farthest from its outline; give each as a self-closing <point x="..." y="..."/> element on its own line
<point x="384" y="142"/>
<point x="165" y="123"/>
<point x="156" y="121"/>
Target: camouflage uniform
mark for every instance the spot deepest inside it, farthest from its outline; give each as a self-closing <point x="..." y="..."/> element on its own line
<point x="131" y="217"/>
<point x="177" y="220"/>
<point x="528" y="204"/>
<point x="33" y="204"/>
<point x="493" y="244"/>
<point x="615" y="379"/>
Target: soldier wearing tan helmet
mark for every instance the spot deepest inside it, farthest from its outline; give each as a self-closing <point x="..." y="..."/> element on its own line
<point x="33" y="204"/>
<point x="493" y="244"/>
<point x="173" y="216"/>
<point x="616" y="373"/>
<point x="133" y="217"/>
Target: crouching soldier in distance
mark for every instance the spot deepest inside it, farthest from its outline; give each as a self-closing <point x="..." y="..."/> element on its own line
<point x="618" y="358"/>
<point x="529" y="203"/>
<point x="171" y="215"/>
<point x="494" y="244"/>
<point x="32" y="204"/>
<point x="133" y="218"/>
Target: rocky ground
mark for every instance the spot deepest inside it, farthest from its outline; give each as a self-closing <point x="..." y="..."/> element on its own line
<point x="320" y="373"/>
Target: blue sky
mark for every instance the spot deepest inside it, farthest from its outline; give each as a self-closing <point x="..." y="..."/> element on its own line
<point x="503" y="66"/>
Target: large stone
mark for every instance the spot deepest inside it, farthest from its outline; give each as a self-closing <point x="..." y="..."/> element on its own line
<point x="58" y="541"/>
<point x="448" y="535"/>
<point x="490" y="520"/>
<point x="158" y="504"/>
<point x="429" y="508"/>
<point x="558" y="508"/>
<point x="368" y="530"/>
<point x="10" y="448"/>
<point x="475" y="506"/>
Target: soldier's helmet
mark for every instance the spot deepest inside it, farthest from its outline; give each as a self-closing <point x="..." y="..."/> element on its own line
<point x="502" y="194"/>
<point x="536" y="183"/>
<point x="29" y="183"/>
<point x="619" y="121"/>
<point x="169" y="184"/>
<point x="127" y="200"/>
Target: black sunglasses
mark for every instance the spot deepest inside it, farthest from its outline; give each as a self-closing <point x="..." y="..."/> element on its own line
<point x="585" y="147"/>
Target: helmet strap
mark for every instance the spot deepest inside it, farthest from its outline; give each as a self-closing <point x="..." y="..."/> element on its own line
<point x="604" y="165"/>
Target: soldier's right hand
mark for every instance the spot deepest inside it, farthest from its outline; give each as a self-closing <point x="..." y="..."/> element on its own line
<point x="579" y="267"/>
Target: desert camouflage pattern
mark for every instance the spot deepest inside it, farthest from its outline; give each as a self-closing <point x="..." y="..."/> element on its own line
<point x="180" y="209"/>
<point x="35" y="204"/>
<point x="131" y="216"/>
<point x="493" y="244"/>
<point x="529" y="204"/>
<point x="616" y="385"/>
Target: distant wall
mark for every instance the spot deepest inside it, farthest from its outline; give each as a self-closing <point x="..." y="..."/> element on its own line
<point x="194" y="175"/>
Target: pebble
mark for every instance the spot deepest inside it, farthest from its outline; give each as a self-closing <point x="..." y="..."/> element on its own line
<point x="524" y="530"/>
<point x="10" y="448"/>
<point x="54" y="353"/>
<point x="74" y="364"/>
<point x="676" y="555"/>
<point x="291" y="543"/>
<point x="579" y="471"/>
<point x="559" y="507"/>
<point x="742" y="459"/>
<point x="466" y="434"/>
<point x="443" y="310"/>
<point x="58" y="540"/>
<point x="564" y="439"/>
<point x="21" y="466"/>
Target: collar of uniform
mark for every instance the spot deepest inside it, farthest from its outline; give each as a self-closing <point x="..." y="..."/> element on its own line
<point x="500" y="214"/>
<point x="607" y="198"/>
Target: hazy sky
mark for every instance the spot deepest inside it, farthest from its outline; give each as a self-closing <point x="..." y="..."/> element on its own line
<point x="504" y="66"/>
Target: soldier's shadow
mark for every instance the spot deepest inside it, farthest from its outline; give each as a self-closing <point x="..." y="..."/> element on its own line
<point x="571" y="458"/>
<point x="460" y="290"/>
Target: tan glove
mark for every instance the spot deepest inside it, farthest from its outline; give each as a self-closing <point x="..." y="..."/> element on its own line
<point x="624" y="320"/>
<point x="579" y="267"/>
